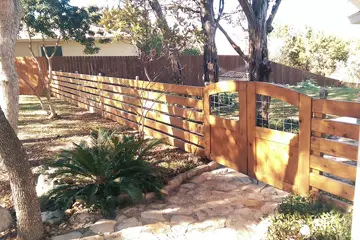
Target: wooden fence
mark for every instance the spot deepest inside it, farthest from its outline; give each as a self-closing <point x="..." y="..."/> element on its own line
<point x="320" y="157"/>
<point x="129" y="67"/>
<point x="27" y="70"/>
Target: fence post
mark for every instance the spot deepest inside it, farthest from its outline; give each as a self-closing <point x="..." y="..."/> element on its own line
<point x="355" y="230"/>
<point x="207" y="133"/>
<point x="302" y="178"/>
<point x="99" y="92"/>
<point x="251" y="127"/>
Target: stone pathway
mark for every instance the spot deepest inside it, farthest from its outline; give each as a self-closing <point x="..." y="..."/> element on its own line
<point x="219" y="204"/>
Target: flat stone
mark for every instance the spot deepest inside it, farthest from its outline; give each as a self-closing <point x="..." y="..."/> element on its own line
<point x="68" y="236"/>
<point x="188" y="185"/>
<point x="182" y="220"/>
<point x="199" y="179"/>
<point x="157" y="228"/>
<point x="128" y="223"/>
<point x="221" y="210"/>
<point x="52" y="217"/>
<point x="94" y="237"/>
<point x="209" y="224"/>
<point x="125" y="234"/>
<point x="120" y="218"/>
<point x="269" y="208"/>
<point x="251" y="203"/>
<point x="81" y="218"/>
<point x="147" y="236"/>
<point x="247" y="213"/>
<point x="153" y="214"/>
<point x="5" y="219"/>
<point x="103" y="226"/>
<point x="201" y="215"/>
<point x="225" y="233"/>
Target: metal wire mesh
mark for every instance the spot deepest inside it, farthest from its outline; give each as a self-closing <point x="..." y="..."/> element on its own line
<point x="275" y="114"/>
<point x="225" y="105"/>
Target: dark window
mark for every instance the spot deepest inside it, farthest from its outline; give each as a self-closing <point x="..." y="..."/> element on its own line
<point x="50" y="50"/>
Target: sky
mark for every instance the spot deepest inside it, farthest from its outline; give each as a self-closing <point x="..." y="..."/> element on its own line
<point x="330" y="16"/>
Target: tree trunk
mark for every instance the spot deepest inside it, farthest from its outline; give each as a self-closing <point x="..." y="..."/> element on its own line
<point x="27" y="207"/>
<point x="10" y="15"/>
<point x="53" y="113"/>
<point x="211" y="66"/>
<point x="36" y="94"/>
<point x="259" y="64"/>
<point x="174" y="55"/>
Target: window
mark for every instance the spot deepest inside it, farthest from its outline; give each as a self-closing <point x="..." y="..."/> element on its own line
<point x="50" y="50"/>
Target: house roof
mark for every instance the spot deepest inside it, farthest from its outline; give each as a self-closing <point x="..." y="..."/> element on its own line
<point x="355" y="18"/>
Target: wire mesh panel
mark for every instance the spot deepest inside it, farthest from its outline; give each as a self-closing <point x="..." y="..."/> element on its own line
<point x="225" y="105"/>
<point x="275" y="114"/>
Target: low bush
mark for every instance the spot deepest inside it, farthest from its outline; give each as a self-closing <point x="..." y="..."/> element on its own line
<point x="306" y="218"/>
<point x="99" y="172"/>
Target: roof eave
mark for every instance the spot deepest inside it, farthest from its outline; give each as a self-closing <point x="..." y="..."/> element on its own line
<point x="355" y="18"/>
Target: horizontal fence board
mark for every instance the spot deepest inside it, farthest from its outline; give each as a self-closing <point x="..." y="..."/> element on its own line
<point x="224" y="123"/>
<point x="75" y="87"/>
<point x="224" y="86"/>
<point x="333" y="167"/>
<point x="332" y="186"/>
<point x="158" y="116"/>
<point x="179" y="89"/>
<point x="76" y="81"/>
<point x="277" y="136"/>
<point x="278" y="92"/>
<point x="78" y="93"/>
<point x="346" y="130"/>
<point x="333" y="148"/>
<point x="338" y="108"/>
<point x="171" y="140"/>
<point x="176" y="132"/>
<point x="169" y="110"/>
<point x="141" y="94"/>
<point x="163" y="87"/>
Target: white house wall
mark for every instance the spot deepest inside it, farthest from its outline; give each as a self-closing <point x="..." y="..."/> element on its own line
<point x="76" y="49"/>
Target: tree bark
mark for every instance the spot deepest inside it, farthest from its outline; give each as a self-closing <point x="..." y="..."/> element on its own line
<point x="259" y="64"/>
<point x="27" y="207"/>
<point x="211" y="66"/>
<point x="174" y="55"/>
<point x="53" y="113"/>
<point x="10" y="15"/>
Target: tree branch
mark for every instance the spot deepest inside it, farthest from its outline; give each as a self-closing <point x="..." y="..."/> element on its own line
<point x="221" y="11"/>
<point x="270" y="19"/>
<point x="234" y="45"/>
<point x="249" y="13"/>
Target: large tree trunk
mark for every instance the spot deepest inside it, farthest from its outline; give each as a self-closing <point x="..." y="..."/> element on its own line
<point x="174" y="55"/>
<point x="27" y="207"/>
<point x="10" y="15"/>
<point x="259" y="64"/>
<point x="211" y="66"/>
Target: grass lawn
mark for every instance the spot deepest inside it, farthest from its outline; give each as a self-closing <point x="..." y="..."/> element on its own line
<point x="335" y="93"/>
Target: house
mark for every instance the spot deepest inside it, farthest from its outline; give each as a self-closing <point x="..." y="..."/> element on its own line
<point x="355" y="18"/>
<point x="72" y="48"/>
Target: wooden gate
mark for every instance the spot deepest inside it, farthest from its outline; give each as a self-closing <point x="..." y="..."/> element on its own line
<point x="276" y="157"/>
<point x="226" y="139"/>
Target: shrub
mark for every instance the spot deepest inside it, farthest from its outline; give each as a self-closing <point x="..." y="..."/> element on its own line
<point x="99" y="173"/>
<point x="306" y="218"/>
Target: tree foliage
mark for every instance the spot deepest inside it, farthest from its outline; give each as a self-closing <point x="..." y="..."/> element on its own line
<point x="57" y="19"/>
<point x="310" y="50"/>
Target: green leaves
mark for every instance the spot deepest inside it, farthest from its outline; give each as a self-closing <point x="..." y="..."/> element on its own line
<point x="310" y="50"/>
<point x="104" y="170"/>
<point x="57" y="18"/>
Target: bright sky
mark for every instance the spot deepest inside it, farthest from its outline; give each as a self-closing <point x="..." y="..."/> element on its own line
<point x="331" y="16"/>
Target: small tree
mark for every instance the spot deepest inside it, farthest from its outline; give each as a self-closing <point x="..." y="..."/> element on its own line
<point x="58" y="20"/>
<point x="310" y="50"/>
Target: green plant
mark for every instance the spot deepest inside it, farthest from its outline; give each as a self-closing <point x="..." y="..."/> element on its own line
<point x="307" y="218"/>
<point x="98" y="174"/>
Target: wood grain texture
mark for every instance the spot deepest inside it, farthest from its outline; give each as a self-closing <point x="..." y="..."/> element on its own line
<point x="338" y="108"/>
<point x="332" y="186"/>
<point x="331" y="127"/>
<point x="334" y="148"/>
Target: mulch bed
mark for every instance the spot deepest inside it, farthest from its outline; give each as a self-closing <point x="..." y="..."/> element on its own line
<point x="43" y="139"/>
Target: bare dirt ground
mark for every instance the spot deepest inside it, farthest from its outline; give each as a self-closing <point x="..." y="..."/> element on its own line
<point x="43" y="139"/>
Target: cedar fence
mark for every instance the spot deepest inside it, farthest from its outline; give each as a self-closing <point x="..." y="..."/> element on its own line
<point x="129" y="67"/>
<point x="27" y="70"/>
<point x="320" y="157"/>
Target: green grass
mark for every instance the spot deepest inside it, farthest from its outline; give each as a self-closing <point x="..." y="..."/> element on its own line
<point x="311" y="89"/>
<point x="306" y="218"/>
